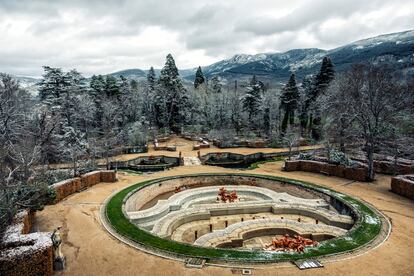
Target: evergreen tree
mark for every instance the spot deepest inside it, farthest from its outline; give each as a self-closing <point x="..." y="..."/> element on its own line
<point x="289" y="102"/>
<point x="172" y="92"/>
<point x="151" y="80"/>
<point x="199" y="78"/>
<point x="266" y="120"/>
<point x="253" y="98"/>
<point x="97" y="85"/>
<point x="98" y="94"/>
<point x="322" y="81"/>
<point x="305" y="101"/>
<point x="53" y="85"/>
<point x="111" y="86"/>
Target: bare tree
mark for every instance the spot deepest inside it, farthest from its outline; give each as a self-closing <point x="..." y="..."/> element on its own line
<point x="19" y="154"/>
<point x="365" y="102"/>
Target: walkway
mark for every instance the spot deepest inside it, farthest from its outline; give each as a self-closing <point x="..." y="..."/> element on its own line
<point x="91" y="250"/>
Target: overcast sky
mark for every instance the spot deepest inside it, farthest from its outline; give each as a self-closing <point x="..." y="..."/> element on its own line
<point x="102" y="36"/>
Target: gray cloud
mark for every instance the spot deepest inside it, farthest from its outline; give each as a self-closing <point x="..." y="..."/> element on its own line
<point x="100" y="36"/>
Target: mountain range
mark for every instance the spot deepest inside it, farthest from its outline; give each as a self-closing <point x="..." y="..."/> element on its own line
<point x="396" y="49"/>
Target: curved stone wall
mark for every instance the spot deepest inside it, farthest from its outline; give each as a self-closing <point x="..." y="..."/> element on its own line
<point x="236" y="233"/>
<point x="184" y="199"/>
<point x="197" y="201"/>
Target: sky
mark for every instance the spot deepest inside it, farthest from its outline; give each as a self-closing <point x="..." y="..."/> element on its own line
<point x="104" y="36"/>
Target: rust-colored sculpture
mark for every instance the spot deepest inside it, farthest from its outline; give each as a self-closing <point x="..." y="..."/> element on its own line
<point x="226" y="196"/>
<point x="287" y="243"/>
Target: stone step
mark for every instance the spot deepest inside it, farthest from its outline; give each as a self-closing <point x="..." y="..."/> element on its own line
<point x="192" y="161"/>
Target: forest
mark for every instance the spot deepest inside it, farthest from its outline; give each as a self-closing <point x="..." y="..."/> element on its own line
<point x="78" y="120"/>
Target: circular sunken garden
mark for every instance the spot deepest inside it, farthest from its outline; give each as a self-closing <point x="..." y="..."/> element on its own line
<point x="241" y="218"/>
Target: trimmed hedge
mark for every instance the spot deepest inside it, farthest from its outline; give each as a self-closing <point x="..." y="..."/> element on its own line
<point x="367" y="227"/>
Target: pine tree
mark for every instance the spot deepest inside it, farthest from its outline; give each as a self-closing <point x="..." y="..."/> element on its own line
<point x="173" y="94"/>
<point x="306" y="91"/>
<point x="266" y="120"/>
<point x="199" y="78"/>
<point x="253" y="98"/>
<point x="98" y="94"/>
<point x="53" y="85"/>
<point x="289" y="102"/>
<point x="322" y="81"/>
<point x="323" y="78"/>
<point x="111" y="86"/>
<point x="151" y="80"/>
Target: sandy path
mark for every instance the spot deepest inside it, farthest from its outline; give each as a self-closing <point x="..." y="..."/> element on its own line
<point x="90" y="250"/>
<point x="186" y="148"/>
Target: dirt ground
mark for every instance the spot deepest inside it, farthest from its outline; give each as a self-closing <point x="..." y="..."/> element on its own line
<point x="90" y="250"/>
<point x="186" y="148"/>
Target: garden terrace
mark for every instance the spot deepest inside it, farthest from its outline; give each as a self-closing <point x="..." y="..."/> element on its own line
<point x="236" y="160"/>
<point x="363" y="228"/>
<point x="147" y="163"/>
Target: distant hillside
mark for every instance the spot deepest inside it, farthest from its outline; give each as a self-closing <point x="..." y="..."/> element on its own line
<point x="395" y="49"/>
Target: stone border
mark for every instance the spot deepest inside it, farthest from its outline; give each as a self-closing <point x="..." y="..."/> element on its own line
<point x="380" y="237"/>
<point x="246" y="158"/>
<point x="357" y="174"/>
<point x="403" y="185"/>
<point x="135" y="164"/>
<point x="70" y="186"/>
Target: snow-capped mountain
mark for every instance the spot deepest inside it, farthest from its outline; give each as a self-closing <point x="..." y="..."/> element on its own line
<point x="396" y="49"/>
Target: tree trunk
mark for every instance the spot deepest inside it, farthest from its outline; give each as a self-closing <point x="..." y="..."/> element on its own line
<point x="370" y="159"/>
<point x="291" y="117"/>
<point x="285" y="121"/>
<point x="342" y="141"/>
<point x="310" y="124"/>
<point x="303" y="123"/>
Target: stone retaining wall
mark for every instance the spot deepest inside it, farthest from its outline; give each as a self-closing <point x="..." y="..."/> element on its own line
<point x="73" y="185"/>
<point x="357" y="174"/>
<point x="24" y="253"/>
<point x="403" y="185"/>
<point x="388" y="167"/>
<point x="217" y="157"/>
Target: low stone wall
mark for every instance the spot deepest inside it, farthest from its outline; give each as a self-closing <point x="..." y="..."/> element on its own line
<point x="24" y="253"/>
<point x="403" y="185"/>
<point x="240" y="144"/>
<point x="388" y="167"/>
<point x="73" y="185"/>
<point x="223" y="158"/>
<point x="146" y="163"/>
<point x="357" y="174"/>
